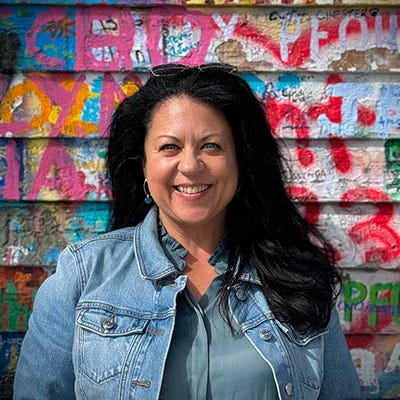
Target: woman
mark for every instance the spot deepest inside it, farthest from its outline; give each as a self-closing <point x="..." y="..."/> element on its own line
<point x="210" y="285"/>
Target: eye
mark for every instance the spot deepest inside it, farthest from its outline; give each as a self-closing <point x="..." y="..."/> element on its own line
<point x="211" y="146"/>
<point x="168" y="146"/>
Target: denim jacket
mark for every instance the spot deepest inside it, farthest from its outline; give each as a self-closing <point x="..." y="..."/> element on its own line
<point x="102" y="326"/>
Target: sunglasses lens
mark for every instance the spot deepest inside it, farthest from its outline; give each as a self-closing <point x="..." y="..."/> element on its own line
<point x="174" y="69"/>
<point x="217" y="67"/>
<point x="168" y="69"/>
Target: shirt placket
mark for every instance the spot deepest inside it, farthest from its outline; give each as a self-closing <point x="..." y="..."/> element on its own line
<point x="198" y="358"/>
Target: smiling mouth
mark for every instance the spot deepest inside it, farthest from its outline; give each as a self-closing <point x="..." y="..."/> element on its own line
<point x="192" y="189"/>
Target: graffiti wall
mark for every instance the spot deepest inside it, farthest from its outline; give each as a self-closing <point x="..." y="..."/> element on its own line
<point x="327" y="75"/>
<point x="114" y="39"/>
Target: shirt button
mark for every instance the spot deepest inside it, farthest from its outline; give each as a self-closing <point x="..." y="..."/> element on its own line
<point x="241" y="294"/>
<point x="265" y="334"/>
<point x="289" y="389"/>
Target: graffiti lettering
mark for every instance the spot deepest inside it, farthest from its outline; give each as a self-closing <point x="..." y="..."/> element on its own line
<point x="105" y="42"/>
<point x="350" y="94"/>
<point x="332" y="94"/>
<point x="383" y="298"/>
<point x="89" y="38"/>
<point x="9" y="188"/>
<point x="383" y="241"/>
<point x="392" y="158"/>
<point x="226" y="28"/>
<point x="290" y="32"/>
<point x="394" y="360"/>
<point x="55" y="105"/>
<point x="388" y="40"/>
<point x="57" y="162"/>
<point x="139" y="54"/>
<point x="49" y="23"/>
<point x="388" y="111"/>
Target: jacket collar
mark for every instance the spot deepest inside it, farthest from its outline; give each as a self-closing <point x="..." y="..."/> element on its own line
<point x="150" y="256"/>
<point x="152" y="262"/>
<point x="250" y="275"/>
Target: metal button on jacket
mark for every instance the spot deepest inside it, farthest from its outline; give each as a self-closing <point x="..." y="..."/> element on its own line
<point x="241" y="294"/>
<point x="109" y="323"/>
<point x="265" y="334"/>
<point x="289" y="389"/>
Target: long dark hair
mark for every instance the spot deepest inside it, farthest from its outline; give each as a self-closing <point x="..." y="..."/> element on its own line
<point x="263" y="226"/>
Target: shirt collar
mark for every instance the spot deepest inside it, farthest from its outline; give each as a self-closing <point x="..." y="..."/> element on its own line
<point x="172" y="248"/>
<point x="159" y="255"/>
<point x="219" y="259"/>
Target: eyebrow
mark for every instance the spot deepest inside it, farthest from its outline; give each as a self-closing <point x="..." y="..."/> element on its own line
<point x="167" y="137"/>
<point x="206" y="137"/>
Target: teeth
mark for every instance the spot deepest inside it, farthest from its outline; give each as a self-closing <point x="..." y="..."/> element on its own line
<point x="192" y="189"/>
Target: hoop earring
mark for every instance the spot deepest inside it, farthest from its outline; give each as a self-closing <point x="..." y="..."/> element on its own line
<point x="148" y="198"/>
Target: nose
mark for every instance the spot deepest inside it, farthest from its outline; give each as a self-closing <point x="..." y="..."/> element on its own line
<point x="190" y="163"/>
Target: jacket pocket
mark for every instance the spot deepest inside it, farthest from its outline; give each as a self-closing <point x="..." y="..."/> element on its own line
<point x="307" y="354"/>
<point x="107" y="337"/>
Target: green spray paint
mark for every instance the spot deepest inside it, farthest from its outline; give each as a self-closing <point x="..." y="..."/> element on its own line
<point x="392" y="158"/>
<point x="17" y="315"/>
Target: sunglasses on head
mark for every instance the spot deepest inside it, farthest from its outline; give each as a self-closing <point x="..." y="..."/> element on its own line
<point x="174" y="69"/>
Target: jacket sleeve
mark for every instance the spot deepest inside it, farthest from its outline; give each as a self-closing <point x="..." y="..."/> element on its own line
<point x="45" y="369"/>
<point x="340" y="380"/>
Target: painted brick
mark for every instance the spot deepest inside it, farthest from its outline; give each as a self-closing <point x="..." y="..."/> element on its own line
<point x="114" y="39"/>
<point x="17" y="290"/>
<point x="376" y="358"/>
<point x="328" y="76"/>
<point x="35" y="233"/>
<point x="324" y="170"/>
<point x="299" y="105"/>
<point x="370" y="302"/>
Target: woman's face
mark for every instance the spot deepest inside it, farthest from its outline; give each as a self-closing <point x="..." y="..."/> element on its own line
<point x="190" y="164"/>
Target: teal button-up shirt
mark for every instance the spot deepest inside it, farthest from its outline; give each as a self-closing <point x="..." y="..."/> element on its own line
<point x="206" y="359"/>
